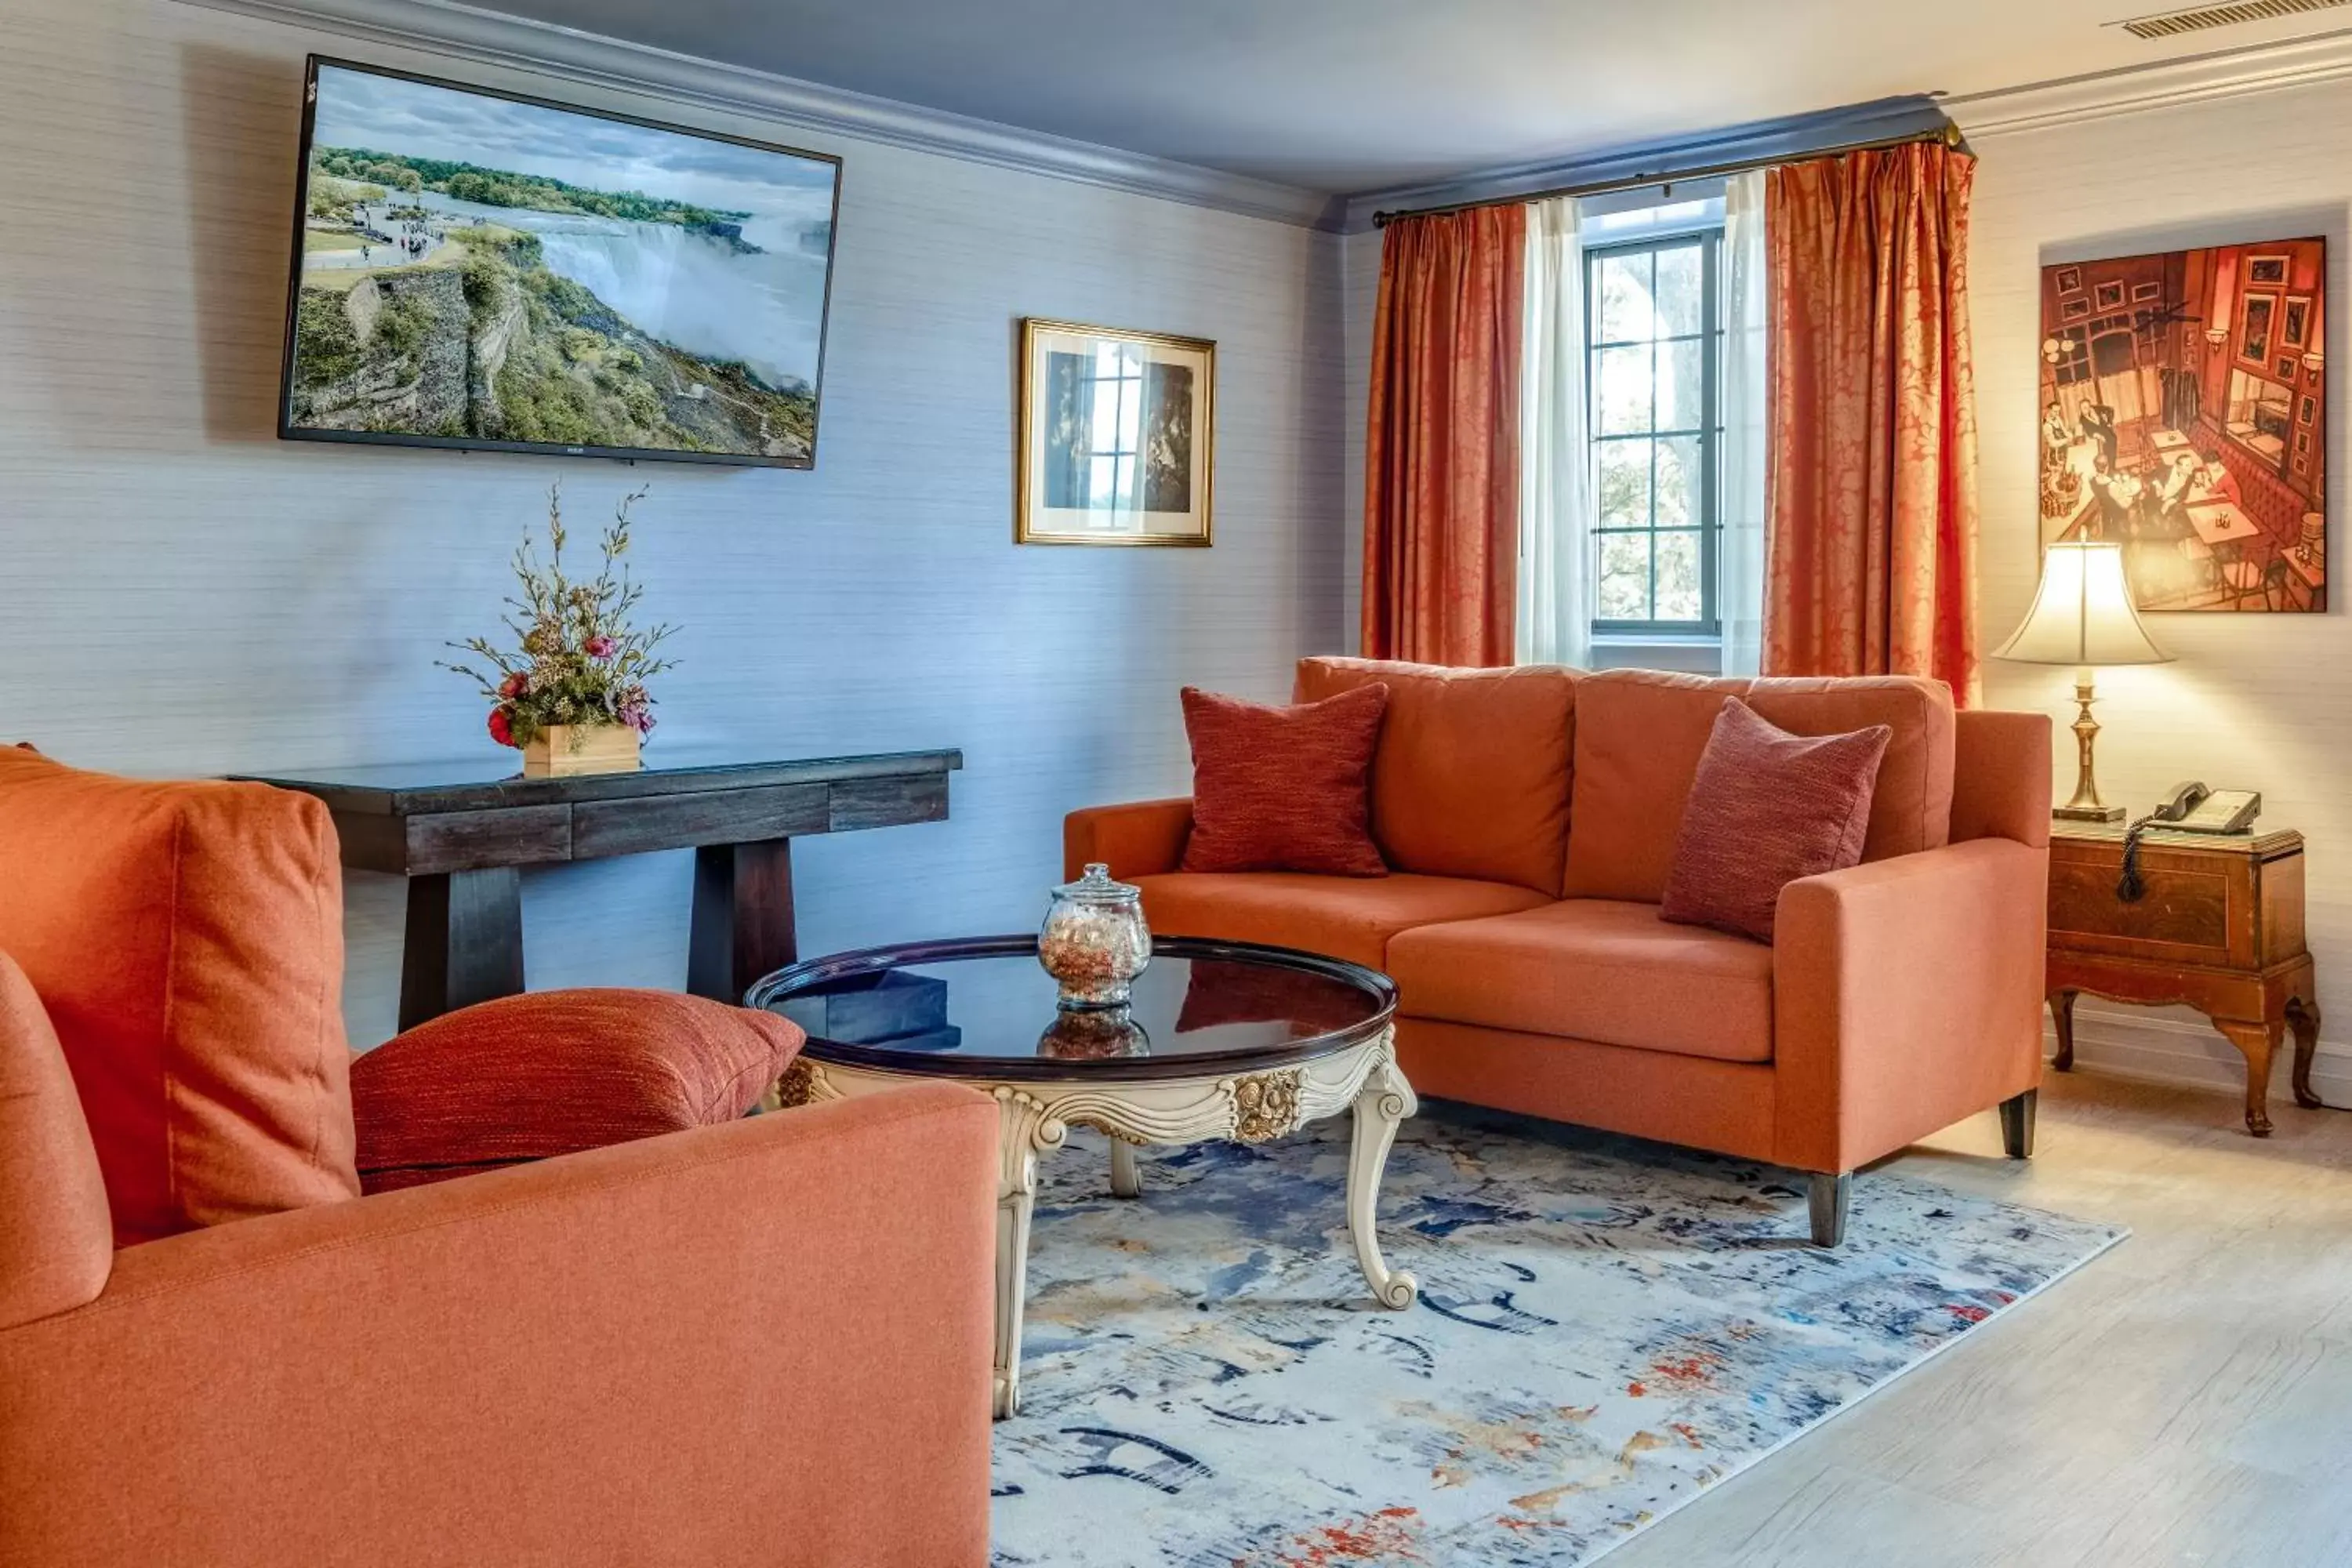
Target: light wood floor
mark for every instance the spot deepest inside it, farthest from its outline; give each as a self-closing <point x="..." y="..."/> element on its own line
<point x="2185" y="1399"/>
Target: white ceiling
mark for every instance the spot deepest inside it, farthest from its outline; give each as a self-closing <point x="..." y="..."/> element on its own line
<point x="1351" y="95"/>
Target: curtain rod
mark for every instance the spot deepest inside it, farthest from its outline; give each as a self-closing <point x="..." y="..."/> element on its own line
<point x="1950" y="135"/>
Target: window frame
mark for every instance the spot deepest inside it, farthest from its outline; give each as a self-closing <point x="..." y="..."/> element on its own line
<point x="1708" y="237"/>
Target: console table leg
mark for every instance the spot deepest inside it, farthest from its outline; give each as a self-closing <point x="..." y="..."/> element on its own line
<point x="2303" y="1017"/>
<point x="742" y="927"/>
<point x="2062" y="1016"/>
<point x="463" y="942"/>
<point x="2256" y="1043"/>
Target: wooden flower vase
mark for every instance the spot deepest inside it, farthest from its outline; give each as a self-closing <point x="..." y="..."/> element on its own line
<point x="562" y="750"/>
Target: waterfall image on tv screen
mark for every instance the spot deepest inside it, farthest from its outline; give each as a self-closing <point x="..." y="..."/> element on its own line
<point x="472" y="269"/>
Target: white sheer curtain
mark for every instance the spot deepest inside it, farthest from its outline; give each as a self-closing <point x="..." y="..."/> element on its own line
<point x="1739" y="560"/>
<point x="1555" y="593"/>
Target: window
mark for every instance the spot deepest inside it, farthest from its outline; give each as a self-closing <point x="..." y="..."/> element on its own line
<point x="1654" y="333"/>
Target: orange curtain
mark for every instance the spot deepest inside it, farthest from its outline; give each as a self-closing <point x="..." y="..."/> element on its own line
<point x="1870" y="485"/>
<point x="1442" y="450"/>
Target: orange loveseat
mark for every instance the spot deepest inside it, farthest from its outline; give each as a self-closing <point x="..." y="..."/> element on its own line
<point x="757" y="1343"/>
<point x="1528" y="817"/>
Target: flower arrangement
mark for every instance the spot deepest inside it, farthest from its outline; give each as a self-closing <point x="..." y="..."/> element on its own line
<point x="579" y="663"/>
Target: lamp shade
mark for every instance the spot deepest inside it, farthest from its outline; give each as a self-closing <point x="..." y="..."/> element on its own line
<point x="2082" y="613"/>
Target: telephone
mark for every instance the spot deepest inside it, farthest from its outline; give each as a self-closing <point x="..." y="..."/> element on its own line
<point x="2187" y="807"/>
<point x="2190" y="807"/>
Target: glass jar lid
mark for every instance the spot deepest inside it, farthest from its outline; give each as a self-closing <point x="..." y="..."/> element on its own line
<point x="1096" y="887"/>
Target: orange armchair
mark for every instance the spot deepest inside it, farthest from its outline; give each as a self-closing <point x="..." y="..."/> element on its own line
<point x="761" y="1342"/>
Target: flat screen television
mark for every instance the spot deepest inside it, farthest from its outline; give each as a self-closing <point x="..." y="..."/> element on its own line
<point x="482" y="269"/>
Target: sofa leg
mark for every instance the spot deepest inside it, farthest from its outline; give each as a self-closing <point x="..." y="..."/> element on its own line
<point x="2017" y="1124"/>
<point x="1827" y="1198"/>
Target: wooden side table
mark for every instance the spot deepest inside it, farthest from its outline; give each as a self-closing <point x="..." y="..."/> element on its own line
<point x="2219" y="930"/>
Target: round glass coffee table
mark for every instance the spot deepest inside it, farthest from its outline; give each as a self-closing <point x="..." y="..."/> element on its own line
<point x="1221" y="1040"/>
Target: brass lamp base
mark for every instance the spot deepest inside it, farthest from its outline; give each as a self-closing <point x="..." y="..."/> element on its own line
<point x="2085" y="805"/>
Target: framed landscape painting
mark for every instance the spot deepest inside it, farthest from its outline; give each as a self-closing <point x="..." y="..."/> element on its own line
<point x="474" y="268"/>
<point x="1117" y="430"/>
<point x="2184" y="416"/>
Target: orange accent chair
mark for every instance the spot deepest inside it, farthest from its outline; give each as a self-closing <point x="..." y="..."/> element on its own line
<point x="1528" y="818"/>
<point x="763" y="1341"/>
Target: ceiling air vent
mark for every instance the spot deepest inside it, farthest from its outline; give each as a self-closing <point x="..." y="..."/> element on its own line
<point x="2166" y="24"/>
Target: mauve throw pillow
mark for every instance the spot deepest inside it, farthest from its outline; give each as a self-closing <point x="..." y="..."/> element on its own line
<point x="554" y="1072"/>
<point x="1766" y="808"/>
<point x="1284" y="789"/>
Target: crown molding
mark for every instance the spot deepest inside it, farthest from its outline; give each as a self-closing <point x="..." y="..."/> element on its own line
<point x="492" y="38"/>
<point x="1756" y="142"/>
<point x="2164" y="84"/>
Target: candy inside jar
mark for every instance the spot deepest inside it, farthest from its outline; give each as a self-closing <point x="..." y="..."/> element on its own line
<point x="1095" y="942"/>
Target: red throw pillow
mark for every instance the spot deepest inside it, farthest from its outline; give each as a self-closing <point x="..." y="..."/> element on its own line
<point x="553" y="1072"/>
<point x="1766" y="808"/>
<point x="1284" y="789"/>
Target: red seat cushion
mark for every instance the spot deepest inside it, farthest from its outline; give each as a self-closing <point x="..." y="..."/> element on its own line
<point x="1338" y="917"/>
<point x="1766" y="808"/>
<point x="1284" y="789"/>
<point x="1592" y="969"/>
<point x="554" y="1072"/>
<point x="187" y="941"/>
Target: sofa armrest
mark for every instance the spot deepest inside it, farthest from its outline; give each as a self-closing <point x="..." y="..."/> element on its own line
<point x="1907" y="996"/>
<point x="1142" y="838"/>
<point x="762" y="1343"/>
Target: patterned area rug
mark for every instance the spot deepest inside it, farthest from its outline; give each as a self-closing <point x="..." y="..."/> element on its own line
<point x="1606" y="1328"/>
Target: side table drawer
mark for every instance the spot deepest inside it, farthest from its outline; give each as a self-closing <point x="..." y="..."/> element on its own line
<point x="2186" y="910"/>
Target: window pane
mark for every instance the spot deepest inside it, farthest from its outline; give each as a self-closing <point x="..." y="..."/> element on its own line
<point x="1625" y="313"/>
<point x="1678" y="577"/>
<point x="1624" y="376"/>
<point x="1681" y="386"/>
<point x="1678" y="482"/>
<point x="1625" y="578"/>
<point x="1623" y="486"/>
<point x="1681" y="290"/>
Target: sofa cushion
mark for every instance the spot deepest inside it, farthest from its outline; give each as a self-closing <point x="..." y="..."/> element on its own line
<point x="1338" y="917"/>
<point x="56" y="1241"/>
<point x="554" y="1072"/>
<point x="187" y="940"/>
<point x="1911" y="807"/>
<point x="1471" y="775"/>
<point x="1593" y="969"/>
<point x="1640" y="734"/>
<point x="1283" y="789"/>
<point x="1768" y="809"/>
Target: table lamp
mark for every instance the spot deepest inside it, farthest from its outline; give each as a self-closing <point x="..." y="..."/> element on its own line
<point x="2082" y="616"/>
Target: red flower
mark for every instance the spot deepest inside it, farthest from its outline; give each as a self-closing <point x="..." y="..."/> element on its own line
<point x="600" y="646"/>
<point x="501" y="727"/>
<point x="514" y="685"/>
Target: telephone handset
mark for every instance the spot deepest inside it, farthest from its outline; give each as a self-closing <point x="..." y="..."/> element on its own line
<point x="2188" y="807"/>
<point x="2192" y="808"/>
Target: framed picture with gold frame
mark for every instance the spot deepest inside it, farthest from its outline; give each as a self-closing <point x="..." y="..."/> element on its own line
<point x="1118" y="435"/>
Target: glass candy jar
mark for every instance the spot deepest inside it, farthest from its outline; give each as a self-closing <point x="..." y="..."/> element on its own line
<point x="1095" y="942"/>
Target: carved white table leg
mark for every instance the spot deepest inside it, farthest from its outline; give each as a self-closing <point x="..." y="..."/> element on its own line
<point x="1385" y="1099"/>
<point x="1034" y="1118"/>
<point x="1024" y="1130"/>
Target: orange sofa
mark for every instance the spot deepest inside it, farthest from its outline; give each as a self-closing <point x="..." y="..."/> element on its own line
<point x="760" y="1343"/>
<point x="1528" y="816"/>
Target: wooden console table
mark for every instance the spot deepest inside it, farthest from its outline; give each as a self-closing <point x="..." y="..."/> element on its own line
<point x="461" y="834"/>
<point x="2219" y="930"/>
